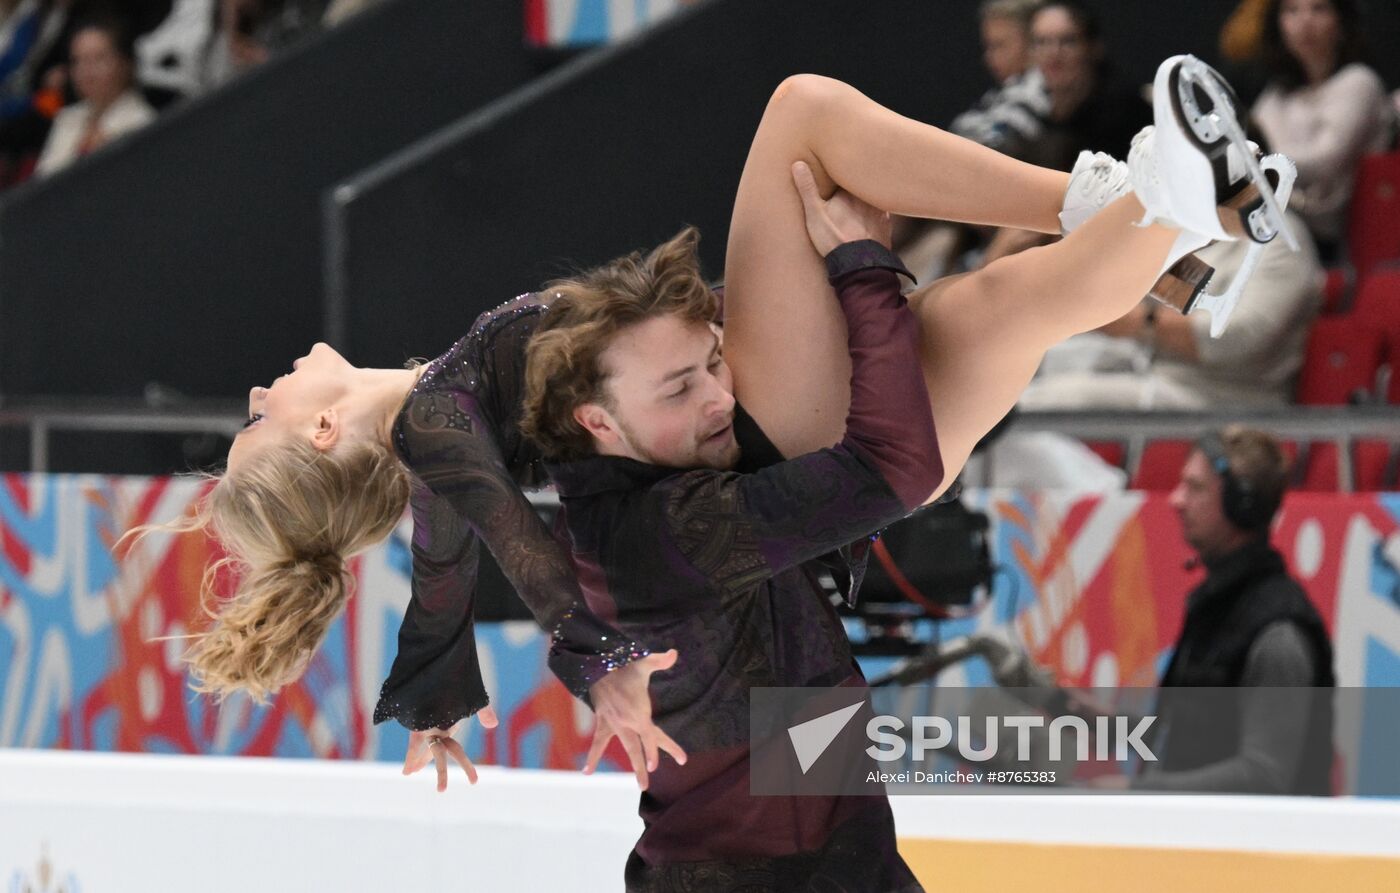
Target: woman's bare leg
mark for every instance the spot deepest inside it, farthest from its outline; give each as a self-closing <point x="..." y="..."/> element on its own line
<point x="983" y="334"/>
<point x="784" y="332"/>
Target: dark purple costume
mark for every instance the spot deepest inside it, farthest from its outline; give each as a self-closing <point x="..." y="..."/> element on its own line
<point x="459" y="435"/>
<point x="722" y="565"/>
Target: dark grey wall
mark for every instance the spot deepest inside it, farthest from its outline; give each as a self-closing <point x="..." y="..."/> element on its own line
<point x="650" y="138"/>
<point x="190" y="255"/>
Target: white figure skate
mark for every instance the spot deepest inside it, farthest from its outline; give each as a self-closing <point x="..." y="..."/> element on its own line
<point x="1196" y="171"/>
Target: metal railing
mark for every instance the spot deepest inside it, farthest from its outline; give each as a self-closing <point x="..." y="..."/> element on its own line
<point x="1342" y="426"/>
<point x="41" y="419"/>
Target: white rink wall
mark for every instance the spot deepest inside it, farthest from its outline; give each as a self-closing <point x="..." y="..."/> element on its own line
<point x="143" y="823"/>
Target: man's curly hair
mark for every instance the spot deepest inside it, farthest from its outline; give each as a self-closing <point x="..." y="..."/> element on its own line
<point x="586" y="312"/>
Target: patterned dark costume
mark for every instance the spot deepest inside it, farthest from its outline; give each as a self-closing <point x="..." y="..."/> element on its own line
<point x="723" y="565"/>
<point x="459" y="435"/>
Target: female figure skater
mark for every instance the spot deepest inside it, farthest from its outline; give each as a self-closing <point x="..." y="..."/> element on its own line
<point x="332" y="453"/>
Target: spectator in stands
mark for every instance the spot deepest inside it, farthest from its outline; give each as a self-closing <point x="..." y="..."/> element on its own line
<point x="19" y="28"/>
<point x="1009" y="117"/>
<point x="1012" y="113"/>
<point x="34" y="84"/>
<point x="1323" y="107"/>
<point x="1248" y="625"/>
<point x="1089" y="107"/>
<point x="252" y="31"/>
<point x="103" y="63"/>
<point x="29" y="40"/>
<point x="1153" y="360"/>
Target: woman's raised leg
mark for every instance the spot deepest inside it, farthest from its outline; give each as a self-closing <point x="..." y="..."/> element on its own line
<point x="983" y="333"/>
<point x="784" y="333"/>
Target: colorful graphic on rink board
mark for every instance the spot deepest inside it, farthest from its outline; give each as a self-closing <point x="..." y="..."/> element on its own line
<point x="581" y="23"/>
<point x="1094" y="585"/>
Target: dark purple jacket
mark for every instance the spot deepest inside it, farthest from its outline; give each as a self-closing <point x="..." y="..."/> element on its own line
<point x="722" y="565"/>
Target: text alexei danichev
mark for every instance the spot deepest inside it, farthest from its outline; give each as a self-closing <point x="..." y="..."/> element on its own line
<point x="957" y="776"/>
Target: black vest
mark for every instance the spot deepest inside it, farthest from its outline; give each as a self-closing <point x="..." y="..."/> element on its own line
<point x="1245" y="592"/>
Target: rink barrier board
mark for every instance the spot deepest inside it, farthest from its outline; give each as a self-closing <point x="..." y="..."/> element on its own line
<point x="119" y="822"/>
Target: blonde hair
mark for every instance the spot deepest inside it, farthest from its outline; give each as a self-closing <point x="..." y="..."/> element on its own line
<point x="289" y="518"/>
<point x="563" y="369"/>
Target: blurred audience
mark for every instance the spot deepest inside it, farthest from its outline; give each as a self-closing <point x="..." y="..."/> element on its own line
<point x="1322" y="107"/>
<point x="1155" y="358"/>
<point x="35" y="82"/>
<point x="103" y="74"/>
<point x="251" y="31"/>
<point x="185" y="47"/>
<point x="1090" y="108"/>
<point x="171" y="57"/>
<point x="1011" y="114"/>
<point x="1009" y="118"/>
<point x="203" y="44"/>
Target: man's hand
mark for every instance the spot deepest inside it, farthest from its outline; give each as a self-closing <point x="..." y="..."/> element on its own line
<point x="438" y="744"/>
<point x="622" y="703"/>
<point x="840" y="219"/>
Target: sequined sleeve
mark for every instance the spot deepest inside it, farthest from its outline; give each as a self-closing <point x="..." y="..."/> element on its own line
<point x="435" y="679"/>
<point x="467" y="493"/>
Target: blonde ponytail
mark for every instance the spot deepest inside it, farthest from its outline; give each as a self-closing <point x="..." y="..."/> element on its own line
<point x="289" y="517"/>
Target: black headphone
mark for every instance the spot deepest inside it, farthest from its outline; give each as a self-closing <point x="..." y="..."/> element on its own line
<point x="1242" y="504"/>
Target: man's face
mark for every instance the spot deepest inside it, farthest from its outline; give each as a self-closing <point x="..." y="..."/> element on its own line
<point x="1061" y="50"/>
<point x="670" y="397"/>
<point x="1196" y="500"/>
<point x="1005" y="47"/>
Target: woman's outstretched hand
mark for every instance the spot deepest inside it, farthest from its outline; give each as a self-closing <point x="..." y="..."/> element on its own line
<point x="840" y="219"/>
<point x="622" y="703"/>
<point x="436" y="745"/>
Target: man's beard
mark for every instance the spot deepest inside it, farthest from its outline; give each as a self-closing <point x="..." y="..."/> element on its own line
<point x="692" y="459"/>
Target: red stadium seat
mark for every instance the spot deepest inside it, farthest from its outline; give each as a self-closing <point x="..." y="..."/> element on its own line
<point x="1317" y="469"/>
<point x="1336" y="291"/>
<point x="1111" y="451"/>
<point x="1373" y="229"/>
<point x="1341" y="361"/>
<point x="1372" y="462"/>
<point x="1160" y="465"/>
<point x="1377" y="307"/>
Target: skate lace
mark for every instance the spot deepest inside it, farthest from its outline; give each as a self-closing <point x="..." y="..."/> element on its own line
<point x="1142" y="167"/>
<point x="1107" y="179"/>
